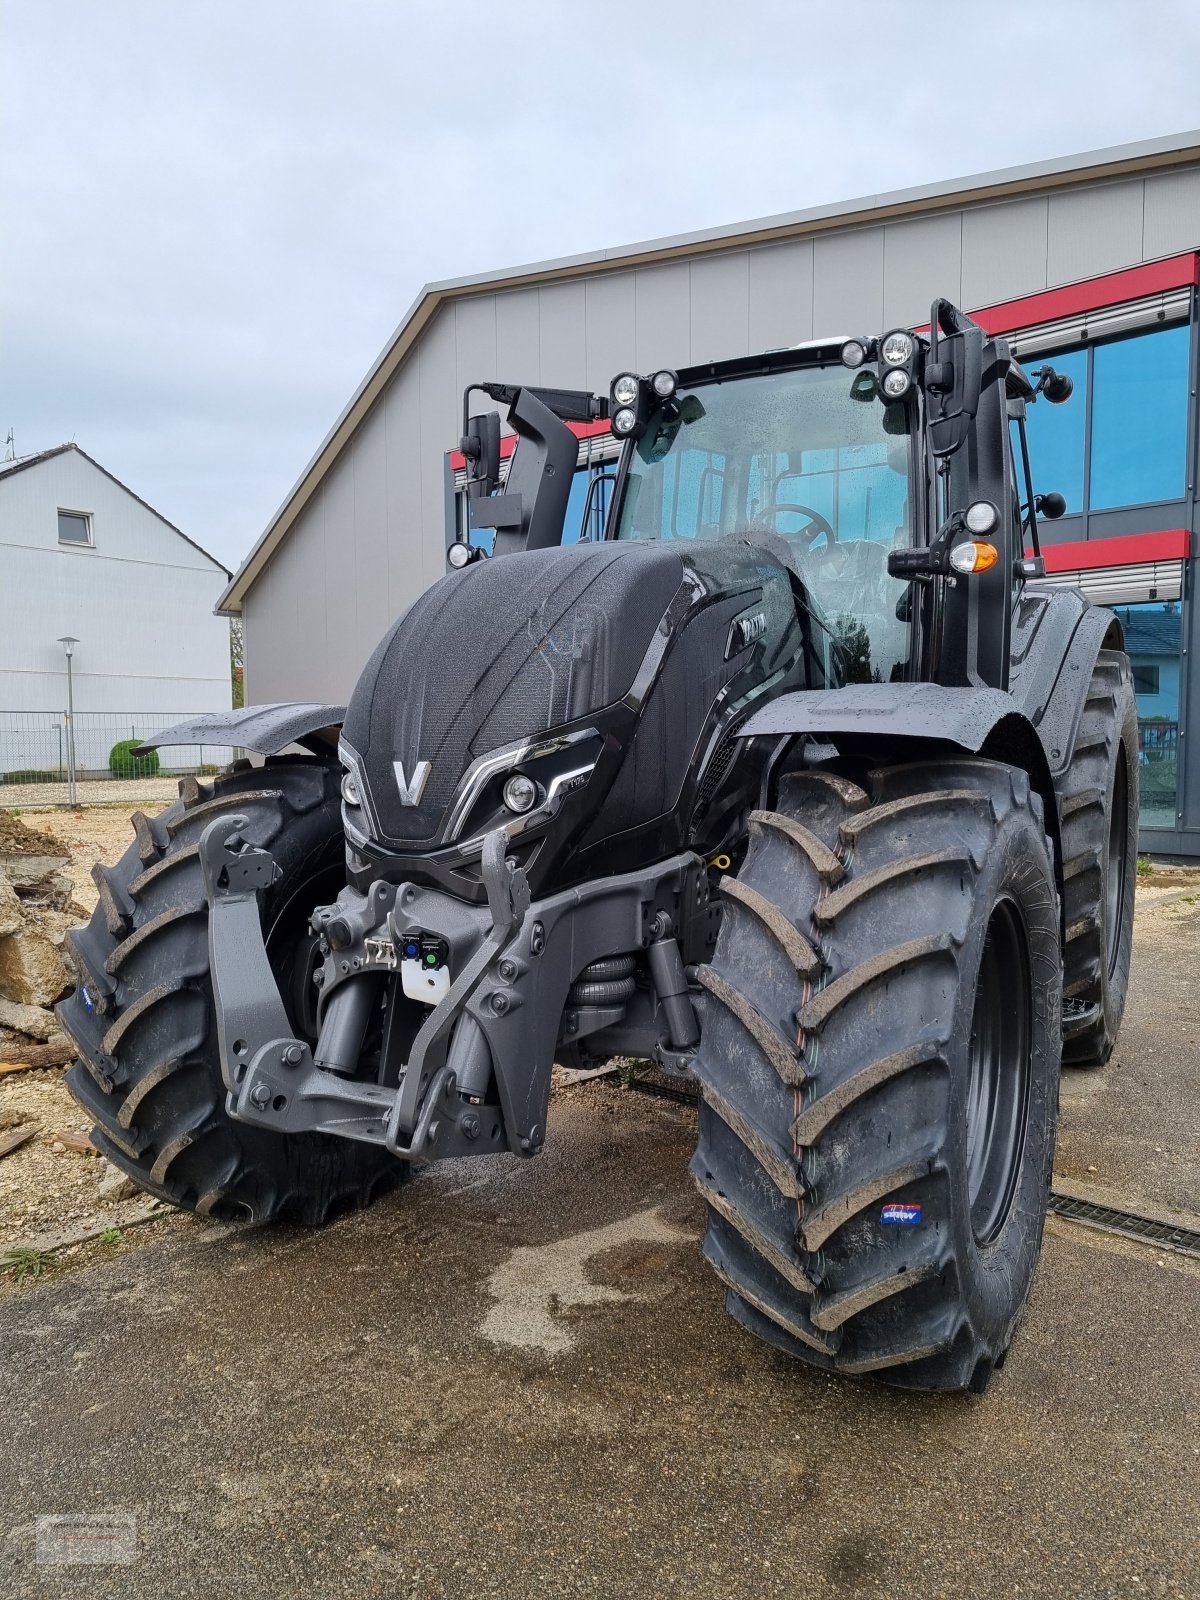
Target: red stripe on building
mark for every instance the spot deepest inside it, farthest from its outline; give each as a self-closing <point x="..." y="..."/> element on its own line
<point x="1135" y="283"/>
<point x="1132" y="549"/>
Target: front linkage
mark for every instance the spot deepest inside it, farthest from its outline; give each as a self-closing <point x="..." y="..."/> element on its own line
<point x="475" y="1078"/>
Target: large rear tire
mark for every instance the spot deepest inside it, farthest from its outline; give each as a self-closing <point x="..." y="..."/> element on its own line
<point x="879" y="1070"/>
<point x="142" y="1015"/>
<point x="1098" y="804"/>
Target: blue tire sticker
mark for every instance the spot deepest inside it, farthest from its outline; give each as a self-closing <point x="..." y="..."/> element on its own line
<point x="896" y="1212"/>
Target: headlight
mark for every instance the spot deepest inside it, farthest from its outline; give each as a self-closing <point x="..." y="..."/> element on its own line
<point x="895" y="383"/>
<point x="854" y="353"/>
<point x="625" y="389"/>
<point x="350" y="790"/>
<point x="459" y="556"/>
<point x="520" y="793"/>
<point x="981" y="516"/>
<point x="625" y="421"/>
<point x="663" y="384"/>
<point x="897" y="349"/>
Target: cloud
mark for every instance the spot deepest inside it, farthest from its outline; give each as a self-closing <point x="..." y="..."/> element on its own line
<point x="216" y="213"/>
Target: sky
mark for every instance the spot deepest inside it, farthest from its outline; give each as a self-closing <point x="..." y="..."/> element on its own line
<point x="215" y="214"/>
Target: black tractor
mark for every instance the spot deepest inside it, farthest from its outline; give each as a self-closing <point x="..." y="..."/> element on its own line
<point x="797" y="783"/>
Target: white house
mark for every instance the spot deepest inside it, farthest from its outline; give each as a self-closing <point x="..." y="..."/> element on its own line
<point x="82" y="556"/>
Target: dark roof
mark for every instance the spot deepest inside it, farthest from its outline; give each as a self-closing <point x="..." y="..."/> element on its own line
<point x="1151" y="633"/>
<point x="9" y="469"/>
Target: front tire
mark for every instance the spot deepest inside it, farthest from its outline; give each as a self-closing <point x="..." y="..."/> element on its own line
<point x="879" y="1070"/>
<point x="142" y="1015"/>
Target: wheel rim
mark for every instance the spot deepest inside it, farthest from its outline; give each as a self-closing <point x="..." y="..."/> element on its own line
<point x="998" y="1096"/>
<point x="1118" y="852"/>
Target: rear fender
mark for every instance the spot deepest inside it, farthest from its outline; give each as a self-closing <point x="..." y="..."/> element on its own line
<point x="264" y="729"/>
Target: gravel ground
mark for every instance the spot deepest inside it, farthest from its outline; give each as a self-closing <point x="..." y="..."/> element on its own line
<point x="103" y="792"/>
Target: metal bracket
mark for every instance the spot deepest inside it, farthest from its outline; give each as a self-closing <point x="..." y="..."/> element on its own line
<point x="253" y="1032"/>
<point x="508" y="900"/>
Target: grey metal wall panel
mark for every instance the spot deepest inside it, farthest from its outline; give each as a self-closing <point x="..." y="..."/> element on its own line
<point x="363" y="546"/>
<point x="441" y="419"/>
<point x="609" y="328"/>
<point x="780" y="291"/>
<point x="1094" y="230"/>
<point x="563" y="321"/>
<point x="848" y="282"/>
<point x="310" y="642"/>
<point x="475" y="344"/>
<point x="341" y="540"/>
<point x="518" y="337"/>
<point x="1003" y="251"/>
<point x="410" y="545"/>
<point x="720" y="306"/>
<point x="1171" y="215"/>
<point x="920" y="259"/>
<point x="663" y="315"/>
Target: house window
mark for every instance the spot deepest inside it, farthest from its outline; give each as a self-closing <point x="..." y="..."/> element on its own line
<point x="1145" y="679"/>
<point x="74" y="527"/>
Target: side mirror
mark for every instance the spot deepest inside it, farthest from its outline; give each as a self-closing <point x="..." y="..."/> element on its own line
<point x="481" y="446"/>
<point x="1052" y="505"/>
<point x="1054" y="386"/>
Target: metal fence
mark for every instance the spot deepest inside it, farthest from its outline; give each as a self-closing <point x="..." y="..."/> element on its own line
<point x="36" y="749"/>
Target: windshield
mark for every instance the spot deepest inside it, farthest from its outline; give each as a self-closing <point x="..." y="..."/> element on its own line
<point x="809" y="455"/>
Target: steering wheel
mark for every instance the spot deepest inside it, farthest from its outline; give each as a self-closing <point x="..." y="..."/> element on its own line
<point x="818" y="526"/>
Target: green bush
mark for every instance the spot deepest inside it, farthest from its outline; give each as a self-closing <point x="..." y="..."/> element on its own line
<point x="122" y="762"/>
<point x="31" y="775"/>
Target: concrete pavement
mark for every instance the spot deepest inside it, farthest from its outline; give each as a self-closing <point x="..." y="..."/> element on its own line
<point x="517" y="1379"/>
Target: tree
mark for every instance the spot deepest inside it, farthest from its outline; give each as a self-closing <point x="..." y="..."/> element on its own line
<point x="855" y="644"/>
<point x="237" y="662"/>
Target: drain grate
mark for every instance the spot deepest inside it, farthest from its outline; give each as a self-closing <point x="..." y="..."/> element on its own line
<point x="1162" y="1235"/>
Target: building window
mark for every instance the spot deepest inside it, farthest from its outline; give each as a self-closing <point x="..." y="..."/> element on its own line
<point x="1121" y="439"/>
<point x="1139" y="420"/>
<point x="1058" y="434"/>
<point x="1152" y="639"/>
<point x="74" y="527"/>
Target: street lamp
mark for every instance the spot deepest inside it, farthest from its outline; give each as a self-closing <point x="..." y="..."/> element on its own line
<point x="68" y="643"/>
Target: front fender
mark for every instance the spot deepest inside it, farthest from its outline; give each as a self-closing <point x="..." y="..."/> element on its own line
<point x="963" y="717"/>
<point x="264" y="729"/>
<point x="982" y="722"/>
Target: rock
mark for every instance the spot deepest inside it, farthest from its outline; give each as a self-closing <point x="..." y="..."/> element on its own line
<point x="54" y="924"/>
<point x="32" y="971"/>
<point x="38" y="878"/>
<point x="10" y="907"/>
<point x="115" y="1185"/>
<point x="30" y="1020"/>
<point x="17" y="838"/>
<point x="33" y="862"/>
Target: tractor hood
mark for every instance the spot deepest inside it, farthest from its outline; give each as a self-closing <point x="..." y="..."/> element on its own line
<point x="502" y="652"/>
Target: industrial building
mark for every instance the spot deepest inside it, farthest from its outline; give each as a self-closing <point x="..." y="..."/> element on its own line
<point x="1090" y="260"/>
